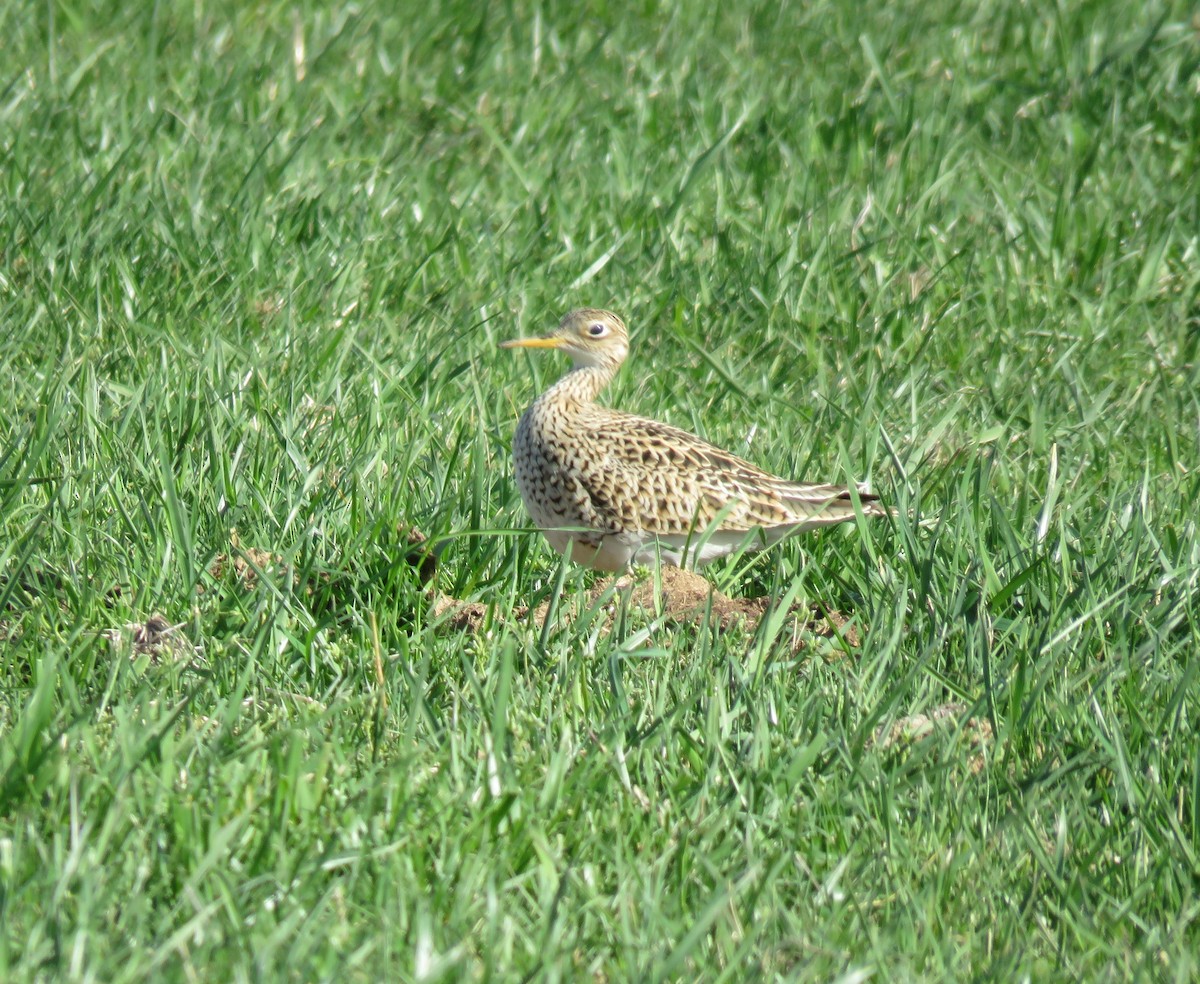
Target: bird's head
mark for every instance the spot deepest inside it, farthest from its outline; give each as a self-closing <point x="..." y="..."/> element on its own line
<point x="591" y="337"/>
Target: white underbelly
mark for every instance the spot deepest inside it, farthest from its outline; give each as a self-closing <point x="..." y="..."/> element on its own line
<point x="613" y="553"/>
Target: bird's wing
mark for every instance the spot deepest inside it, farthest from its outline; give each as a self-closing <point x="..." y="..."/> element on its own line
<point x="674" y="482"/>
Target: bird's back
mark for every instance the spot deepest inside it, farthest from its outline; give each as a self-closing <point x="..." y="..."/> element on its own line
<point x="615" y="471"/>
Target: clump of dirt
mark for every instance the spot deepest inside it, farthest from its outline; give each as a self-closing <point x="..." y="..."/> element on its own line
<point x="465" y="616"/>
<point x="156" y="638"/>
<point x="420" y="553"/>
<point x="684" y="597"/>
<point x="906" y="732"/>
<point x="677" y="596"/>
<point x="245" y="564"/>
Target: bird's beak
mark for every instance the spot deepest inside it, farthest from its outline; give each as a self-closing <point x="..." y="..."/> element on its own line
<point x="552" y="342"/>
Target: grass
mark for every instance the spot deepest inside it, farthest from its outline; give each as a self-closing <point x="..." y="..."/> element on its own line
<point x="254" y="263"/>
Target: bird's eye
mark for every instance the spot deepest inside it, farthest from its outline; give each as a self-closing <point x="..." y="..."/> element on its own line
<point x="596" y="329"/>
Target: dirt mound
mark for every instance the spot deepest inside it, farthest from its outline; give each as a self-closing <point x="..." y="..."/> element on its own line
<point x="673" y="594"/>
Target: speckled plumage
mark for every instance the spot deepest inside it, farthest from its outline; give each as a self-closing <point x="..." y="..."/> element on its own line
<point x="611" y="487"/>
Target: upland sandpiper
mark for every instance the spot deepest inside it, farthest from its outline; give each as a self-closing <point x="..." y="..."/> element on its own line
<point x="607" y="487"/>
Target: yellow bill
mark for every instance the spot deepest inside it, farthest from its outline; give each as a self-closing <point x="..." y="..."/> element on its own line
<point x="551" y="342"/>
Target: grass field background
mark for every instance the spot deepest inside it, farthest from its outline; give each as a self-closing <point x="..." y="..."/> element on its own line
<point x="254" y="263"/>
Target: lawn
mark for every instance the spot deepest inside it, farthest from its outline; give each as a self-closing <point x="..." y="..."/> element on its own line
<point x="255" y="263"/>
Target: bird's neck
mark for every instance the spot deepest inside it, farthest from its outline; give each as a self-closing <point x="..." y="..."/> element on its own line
<point x="581" y="385"/>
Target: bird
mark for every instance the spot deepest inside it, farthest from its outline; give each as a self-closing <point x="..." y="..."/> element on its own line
<point x="608" y="488"/>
